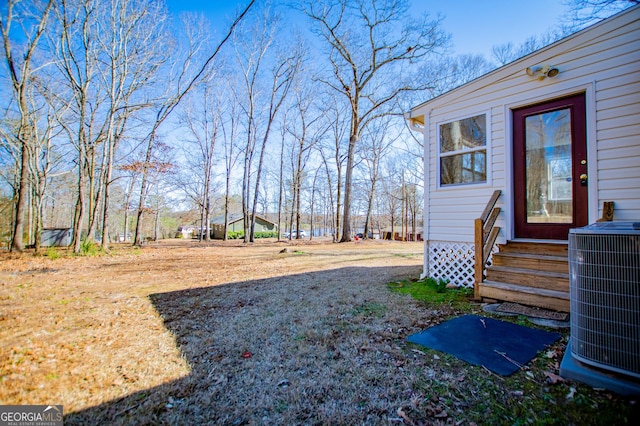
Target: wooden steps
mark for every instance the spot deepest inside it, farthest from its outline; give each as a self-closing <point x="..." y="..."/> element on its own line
<point x="542" y="298"/>
<point x="549" y="263"/>
<point x="535" y="274"/>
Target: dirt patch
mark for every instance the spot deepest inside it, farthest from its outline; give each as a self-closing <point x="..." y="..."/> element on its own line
<point x="515" y="308"/>
<point x="223" y="333"/>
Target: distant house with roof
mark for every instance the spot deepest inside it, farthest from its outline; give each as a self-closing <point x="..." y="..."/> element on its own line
<point x="187" y="231"/>
<point x="235" y="224"/>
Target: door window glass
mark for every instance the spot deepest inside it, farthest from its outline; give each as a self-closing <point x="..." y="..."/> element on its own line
<point x="548" y="167"/>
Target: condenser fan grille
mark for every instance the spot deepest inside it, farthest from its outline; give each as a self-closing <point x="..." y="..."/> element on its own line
<point x="604" y="263"/>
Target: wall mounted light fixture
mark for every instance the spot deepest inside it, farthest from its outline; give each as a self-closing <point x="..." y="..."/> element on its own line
<point x="542" y="71"/>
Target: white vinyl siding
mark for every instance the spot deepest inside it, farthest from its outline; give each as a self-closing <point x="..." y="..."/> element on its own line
<point x="603" y="62"/>
<point x="618" y="134"/>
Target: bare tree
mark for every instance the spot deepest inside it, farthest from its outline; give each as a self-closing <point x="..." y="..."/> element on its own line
<point x="250" y="54"/>
<point x="183" y="85"/>
<point x="581" y="13"/>
<point x="392" y="195"/>
<point x="129" y="172"/>
<point x="131" y="59"/>
<point x="508" y="52"/>
<point x="203" y="120"/>
<point x="332" y="149"/>
<point x="229" y="128"/>
<point x="283" y="133"/>
<point x="77" y="59"/>
<point x="43" y="160"/>
<point x="368" y="40"/>
<point x="105" y="54"/>
<point x="447" y="72"/>
<point x="282" y="79"/>
<point x="377" y="139"/>
<point x="264" y="69"/>
<point x="18" y="57"/>
<point x="314" y="191"/>
<point x="306" y="129"/>
<point x="585" y="12"/>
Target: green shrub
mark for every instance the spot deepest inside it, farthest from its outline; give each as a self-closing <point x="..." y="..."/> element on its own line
<point x="89" y="248"/>
<point x="439" y="285"/>
<point x="266" y="234"/>
<point x="433" y="291"/>
<point x="52" y="253"/>
<point x="235" y="235"/>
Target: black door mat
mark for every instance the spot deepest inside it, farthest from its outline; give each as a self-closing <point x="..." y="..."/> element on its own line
<point x="515" y="308"/>
<point x="499" y="346"/>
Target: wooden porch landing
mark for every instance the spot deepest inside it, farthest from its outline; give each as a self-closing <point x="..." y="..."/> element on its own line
<point x="534" y="274"/>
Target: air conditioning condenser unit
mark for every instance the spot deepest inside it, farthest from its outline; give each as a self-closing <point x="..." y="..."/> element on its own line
<point x="604" y="276"/>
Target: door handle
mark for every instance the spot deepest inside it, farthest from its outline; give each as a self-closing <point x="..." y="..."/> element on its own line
<point x="583" y="178"/>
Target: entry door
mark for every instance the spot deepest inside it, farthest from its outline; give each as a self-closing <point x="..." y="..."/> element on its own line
<point x="550" y="168"/>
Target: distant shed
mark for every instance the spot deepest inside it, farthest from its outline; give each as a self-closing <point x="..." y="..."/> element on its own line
<point x="56" y="237"/>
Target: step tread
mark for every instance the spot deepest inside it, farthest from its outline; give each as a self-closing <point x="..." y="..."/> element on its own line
<point x="525" y="271"/>
<point x="528" y="261"/>
<point x="529" y="290"/>
<point x="545" y="257"/>
<point x="538" y="243"/>
<point x="534" y="248"/>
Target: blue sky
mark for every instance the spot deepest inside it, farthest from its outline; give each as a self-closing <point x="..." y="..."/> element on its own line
<point x="476" y="25"/>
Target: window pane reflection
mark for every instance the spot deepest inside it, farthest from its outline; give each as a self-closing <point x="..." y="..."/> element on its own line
<point x="463" y="156"/>
<point x="549" y="167"/>
<point x="463" y="168"/>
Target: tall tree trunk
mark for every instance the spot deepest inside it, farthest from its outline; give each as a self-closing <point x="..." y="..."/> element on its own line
<point x="207" y="219"/>
<point x="22" y="81"/>
<point x="281" y="186"/>
<point x="95" y="191"/>
<point x="127" y="199"/>
<point x="334" y="228"/>
<point x="207" y="189"/>
<point x="367" y="220"/>
<point x="313" y="199"/>
<point x="258" y="176"/>
<point x="393" y="222"/>
<point x="348" y="183"/>
<point x="156" y="228"/>
<point x="226" y="207"/>
<point x="297" y="206"/>
<point x="298" y="189"/>
<point x="203" y="219"/>
<point x="110" y="146"/>
<point x="144" y="182"/>
<point x="17" y="244"/>
<point x="39" y="191"/>
<point x="245" y="185"/>
<point x="80" y="205"/>
<point x="272" y="114"/>
<point x="338" y="199"/>
<point x="294" y="201"/>
<point x="36" y="201"/>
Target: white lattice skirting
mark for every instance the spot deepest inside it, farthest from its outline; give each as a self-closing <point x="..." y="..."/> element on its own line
<point x="452" y="261"/>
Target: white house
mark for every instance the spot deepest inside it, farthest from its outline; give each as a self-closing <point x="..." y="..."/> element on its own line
<point x="557" y="132"/>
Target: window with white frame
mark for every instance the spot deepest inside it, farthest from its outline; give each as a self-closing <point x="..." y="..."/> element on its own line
<point x="462" y="151"/>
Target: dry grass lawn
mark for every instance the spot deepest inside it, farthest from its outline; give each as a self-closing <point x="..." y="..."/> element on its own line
<point x="222" y="333"/>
